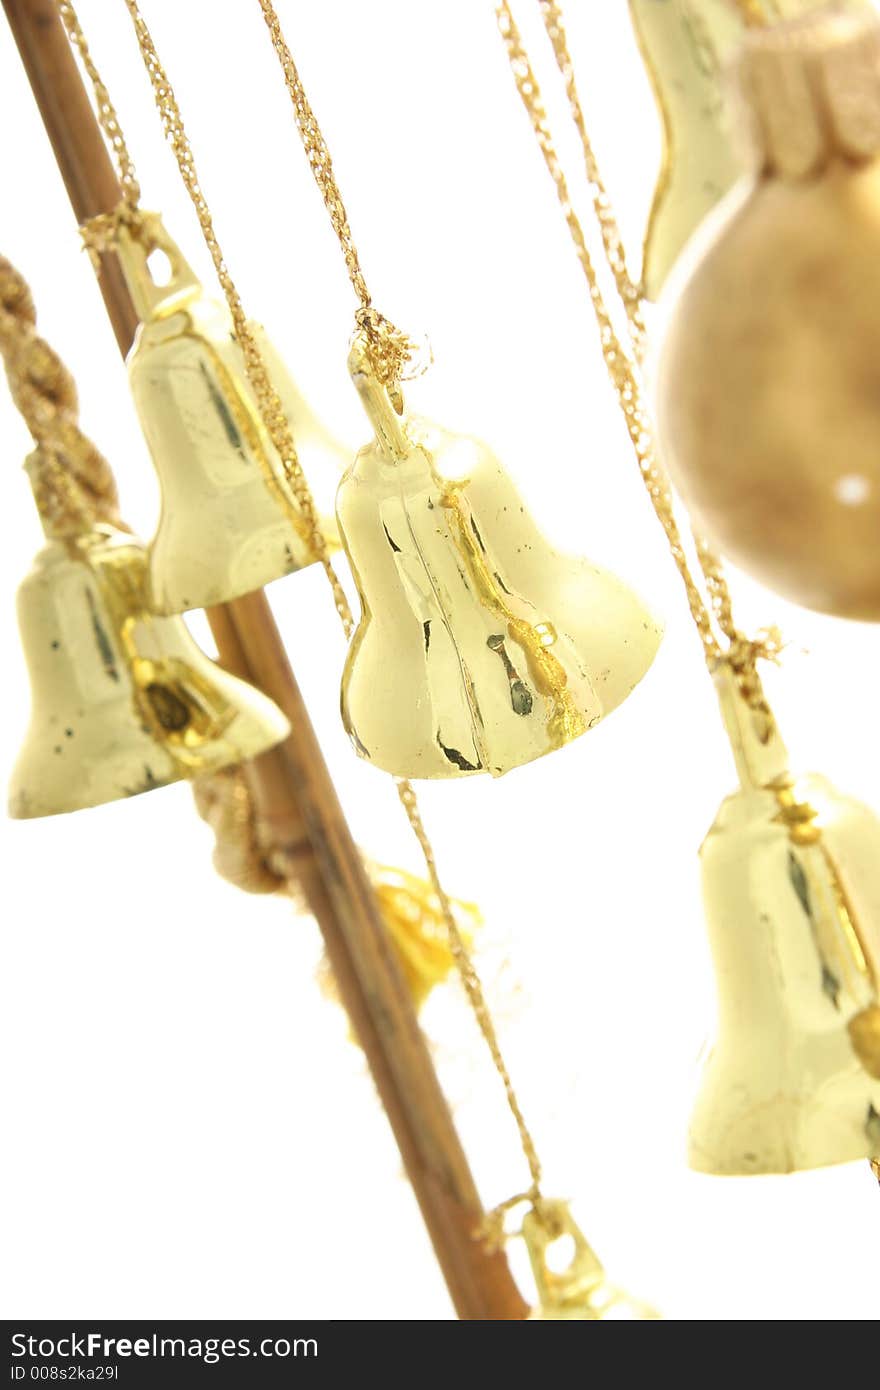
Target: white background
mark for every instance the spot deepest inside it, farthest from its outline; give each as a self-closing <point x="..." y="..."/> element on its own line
<point x="188" y="1130"/>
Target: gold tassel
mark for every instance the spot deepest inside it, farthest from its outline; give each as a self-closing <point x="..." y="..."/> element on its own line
<point x="410" y="908"/>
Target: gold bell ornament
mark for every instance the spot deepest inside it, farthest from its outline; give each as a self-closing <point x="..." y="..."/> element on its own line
<point x="580" y="1291"/>
<point x="767" y="382"/>
<point x="791" y="887"/>
<point x="122" y="700"/>
<point x="229" y="522"/>
<point x="479" y="647"/>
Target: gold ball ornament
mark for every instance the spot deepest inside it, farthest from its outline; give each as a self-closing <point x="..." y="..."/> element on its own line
<point x="768" y="378"/>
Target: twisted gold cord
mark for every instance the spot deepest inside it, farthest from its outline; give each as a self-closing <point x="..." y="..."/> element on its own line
<point x="386" y="340"/>
<point x="624" y="370"/>
<point x="389" y="349"/>
<point x="72" y="481"/>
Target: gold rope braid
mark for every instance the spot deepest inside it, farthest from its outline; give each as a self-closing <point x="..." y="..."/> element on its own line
<point x="624" y="369"/>
<point x="389" y="350"/>
<point x="72" y="481"/>
<point x="244" y="855"/>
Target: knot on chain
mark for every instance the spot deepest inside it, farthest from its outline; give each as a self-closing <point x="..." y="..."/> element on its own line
<point x="100" y="233"/>
<point x="492" y="1230"/>
<point x="388" y="348"/>
<point x="72" y="482"/>
<point x="743" y="655"/>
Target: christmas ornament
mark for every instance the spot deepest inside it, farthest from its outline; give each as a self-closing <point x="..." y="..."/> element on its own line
<point x="791" y="887"/>
<point x="122" y="701"/>
<point x="684" y="45"/>
<point x="687" y="46"/>
<point x="479" y="646"/>
<point x="580" y="1291"/>
<point x="767" y="384"/>
<point x="385" y="356"/>
<point x="229" y="522"/>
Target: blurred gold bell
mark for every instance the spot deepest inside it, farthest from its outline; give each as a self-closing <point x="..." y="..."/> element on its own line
<point x="479" y="647"/>
<point x="684" y="48"/>
<point x="229" y="523"/>
<point x="768" y="379"/>
<point x="791" y="885"/>
<point x="580" y="1291"/>
<point x="122" y="701"/>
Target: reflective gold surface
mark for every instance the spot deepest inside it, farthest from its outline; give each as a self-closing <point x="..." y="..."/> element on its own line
<point x="228" y="523"/>
<point x="121" y="701"/>
<point x="479" y="647"/>
<point x="579" y="1291"/>
<point x="768" y="378"/>
<point x="791" y="886"/>
<point x="685" y="45"/>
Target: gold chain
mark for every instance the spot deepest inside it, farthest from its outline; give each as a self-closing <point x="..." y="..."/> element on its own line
<point x="389" y="349"/>
<point x="625" y="370"/>
<point x="387" y="345"/>
<point x="131" y="189"/>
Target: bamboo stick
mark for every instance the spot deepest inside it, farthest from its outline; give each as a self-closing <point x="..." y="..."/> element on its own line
<point x="292" y="784"/>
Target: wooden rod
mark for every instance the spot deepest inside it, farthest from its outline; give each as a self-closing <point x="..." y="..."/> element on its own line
<point x="292" y="785"/>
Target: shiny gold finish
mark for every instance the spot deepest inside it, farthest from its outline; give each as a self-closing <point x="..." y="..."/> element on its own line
<point x="685" y="45"/>
<point x="623" y="359"/>
<point x="122" y="701"/>
<point x="479" y="647"/>
<point x="791" y="886"/>
<point x="767" y="382"/>
<point x="580" y="1291"/>
<point x="229" y="522"/>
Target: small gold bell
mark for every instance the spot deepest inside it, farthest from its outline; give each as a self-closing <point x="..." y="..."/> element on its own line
<point x="791" y="886"/>
<point x="122" y="701"/>
<point x="768" y="379"/>
<point x="580" y="1291"/>
<point x="479" y="647"/>
<point x="228" y="523"/>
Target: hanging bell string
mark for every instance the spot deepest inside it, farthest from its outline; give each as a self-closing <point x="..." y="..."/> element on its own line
<point x="625" y="370"/>
<point x="273" y="416"/>
<point x="389" y="350"/>
<point x="73" y="483"/>
<point x="99" y="234"/>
